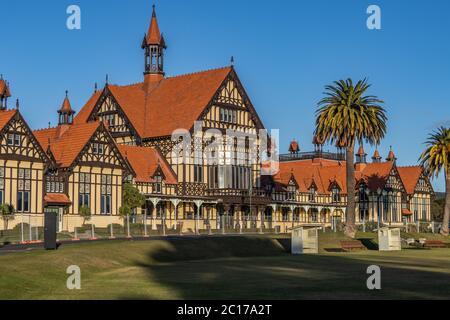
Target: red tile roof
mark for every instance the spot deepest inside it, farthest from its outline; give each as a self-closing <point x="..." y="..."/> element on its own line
<point x="145" y="161"/>
<point x="410" y="176"/>
<point x="5" y="117"/>
<point x="158" y="108"/>
<point x="66" y="142"/>
<point x="57" y="198"/>
<point x="4" y="89"/>
<point x="325" y="172"/>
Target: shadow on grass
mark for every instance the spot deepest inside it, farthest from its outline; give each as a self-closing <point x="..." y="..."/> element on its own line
<point x="369" y="243"/>
<point x="260" y="268"/>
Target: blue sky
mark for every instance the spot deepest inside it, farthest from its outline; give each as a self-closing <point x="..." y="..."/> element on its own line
<point x="285" y="52"/>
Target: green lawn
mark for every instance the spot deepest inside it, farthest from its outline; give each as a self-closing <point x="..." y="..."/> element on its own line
<point x="222" y="267"/>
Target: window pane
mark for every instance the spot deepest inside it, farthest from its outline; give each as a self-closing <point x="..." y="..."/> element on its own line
<point x="19" y="201"/>
<point x="26" y="202"/>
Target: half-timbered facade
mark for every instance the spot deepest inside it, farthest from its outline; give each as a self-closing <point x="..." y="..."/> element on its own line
<point x="22" y="164"/>
<point x="194" y="145"/>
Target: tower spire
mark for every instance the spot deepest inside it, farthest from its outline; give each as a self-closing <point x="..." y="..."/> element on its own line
<point x="66" y="112"/>
<point x="154" y="46"/>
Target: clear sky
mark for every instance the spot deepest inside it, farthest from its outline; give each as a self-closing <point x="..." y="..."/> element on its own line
<point x="285" y="52"/>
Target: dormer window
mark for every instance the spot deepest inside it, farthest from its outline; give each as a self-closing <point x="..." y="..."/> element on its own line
<point x="336" y="194"/>
<point x="312" y="194"/>
<point x="291" y="192"/>
<point x="158" y="184"/>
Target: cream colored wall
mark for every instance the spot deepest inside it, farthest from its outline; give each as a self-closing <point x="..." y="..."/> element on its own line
<point x="11" y="183"/>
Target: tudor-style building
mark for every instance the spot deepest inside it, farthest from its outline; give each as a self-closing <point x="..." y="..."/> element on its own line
<point x="192" y="145"/>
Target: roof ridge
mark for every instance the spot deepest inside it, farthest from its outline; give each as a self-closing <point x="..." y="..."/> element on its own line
<point x="198" y="72"/>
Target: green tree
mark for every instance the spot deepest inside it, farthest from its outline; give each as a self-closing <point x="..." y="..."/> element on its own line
<point x="7" y="213"/>
<point x="132" y="198"/>
<point x="435" y="159"/>
<point x="85" y="213"/>
<point x="346" y="116"/>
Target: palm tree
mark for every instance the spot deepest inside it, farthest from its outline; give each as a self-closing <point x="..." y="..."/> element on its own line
<point x="346" y="116"/>
<point x="436" y="158"/>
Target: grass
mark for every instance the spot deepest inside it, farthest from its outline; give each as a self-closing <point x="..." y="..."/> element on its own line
<point x="222" y="267"/>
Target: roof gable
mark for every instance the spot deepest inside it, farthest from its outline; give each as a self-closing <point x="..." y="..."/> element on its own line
<point x="158" y="108"/>
<point x="146" y="161"/>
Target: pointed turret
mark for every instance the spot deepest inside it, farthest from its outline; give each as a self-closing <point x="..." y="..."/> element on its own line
<point x="361" y="155"/>
<point x="4" y="93"/>
<point x="376" y="158"/>
<point x="294" y="147"/>
<point x="66" y="112"/>
<point x="154" y="46"/>
<point x="391" y="155"/>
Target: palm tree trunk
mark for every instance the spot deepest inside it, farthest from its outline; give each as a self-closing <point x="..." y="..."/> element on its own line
<point x="350" y="229"/>
<point x="444" y="229"/>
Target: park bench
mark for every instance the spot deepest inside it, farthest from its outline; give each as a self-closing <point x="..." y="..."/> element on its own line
<point x="352" y="245"/>
<point x="434" y="244"/>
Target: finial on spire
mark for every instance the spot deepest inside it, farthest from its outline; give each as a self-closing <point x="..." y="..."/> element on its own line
<point x="49" y="125"/>
<point x="17" y="104"/>
<point x="67" y="93"/>
<point x="232" y="61"/>
<point x="95" y="87"/>
<point x="107" y="79"/>
<point x="154" y="11"/>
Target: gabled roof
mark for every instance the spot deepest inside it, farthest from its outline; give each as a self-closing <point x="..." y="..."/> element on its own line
<point x="158" y="108"/>
<point x="57" y="199"/>
<point x="307" y="172"/>
<point x="4" y="89"/>
<point x="5" y="117"/>
<point x="410" y="177"/>
<point x="375" y="175"/>
<point x="145" y="161"/>
<point x="66" y="142"/>
<point x="325" y="173"/>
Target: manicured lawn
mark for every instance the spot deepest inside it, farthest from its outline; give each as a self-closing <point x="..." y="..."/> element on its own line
<point x="222" y="267"/>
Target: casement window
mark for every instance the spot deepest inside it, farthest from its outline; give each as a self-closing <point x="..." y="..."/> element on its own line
<point x="110" y="119"/>
<point x="198" y="173"/>
<point x="54" y="184"/>
<point x="105" y="197"/>
<point x="336" y="194"/>
<point x="415" y="208"/>
<point x="14" y="139"/>
<point x="313" y="216"/>
<point x="285" y="215"/>
<point x="23" y="190"/>
<point x="157" y="184"/>
<point x="98" y="148"/>
<point x="2" y="185"/>
<point x="312" y="194"/>
<point x="291" y="193"/>
<point x="84" y="190"/>
<point x="229" y="116"/>
<point x="213" y="177"/>
<point x="424" y="209"/>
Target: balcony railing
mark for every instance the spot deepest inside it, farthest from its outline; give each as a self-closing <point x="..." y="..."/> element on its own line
<point x="237" y="192"/>
<point x="312" y="155"/>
